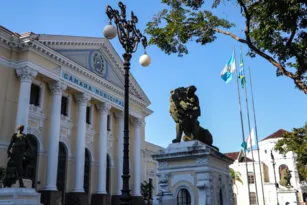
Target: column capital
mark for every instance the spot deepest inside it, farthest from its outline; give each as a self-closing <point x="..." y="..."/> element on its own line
<point x="138" y="122"/>
<point x="119" y="115"/>
<point x="82" y="98"/>
<point x="26" y="74"/>
<point x="57" y="87"/>
<point x="103" y="107"/>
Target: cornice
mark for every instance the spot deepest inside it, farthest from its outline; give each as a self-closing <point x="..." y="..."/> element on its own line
<point x="111" y="53"/>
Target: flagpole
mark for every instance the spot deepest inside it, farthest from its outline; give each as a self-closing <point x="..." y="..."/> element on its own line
<point x="250" y="79"/>
<point x="250" y="141"/>
<point x="242" y="127"/>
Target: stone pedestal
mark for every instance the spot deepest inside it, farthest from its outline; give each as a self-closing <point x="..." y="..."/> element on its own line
<point x="51" y="197"/>
<point x="99" y="199"/>
<point x="287" y="195"/>
<point x="195" y="169"/>
<point x="19" y="196"/>
<point x="76" y="198"/>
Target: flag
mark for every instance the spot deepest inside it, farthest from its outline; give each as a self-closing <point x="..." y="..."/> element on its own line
<point x="230" y="67"/>
<point x="249" y="142"/>
<point x="241" y="73"/>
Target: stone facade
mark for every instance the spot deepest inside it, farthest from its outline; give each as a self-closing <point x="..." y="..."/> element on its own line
<point x="197" y="169"/>
<point x="72" y="109"/>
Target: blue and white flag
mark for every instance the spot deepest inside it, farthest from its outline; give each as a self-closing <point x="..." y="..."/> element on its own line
<point x="249" y="142"/>
<point x="229" y="68"/>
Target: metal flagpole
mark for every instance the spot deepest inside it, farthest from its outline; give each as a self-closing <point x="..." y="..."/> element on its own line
<point x="242" y="127"/>
<point x="257" y="142"/>
<point x="250" y="140"/>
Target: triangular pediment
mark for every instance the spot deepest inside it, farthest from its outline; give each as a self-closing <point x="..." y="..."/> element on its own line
<point x="96" y="55"/>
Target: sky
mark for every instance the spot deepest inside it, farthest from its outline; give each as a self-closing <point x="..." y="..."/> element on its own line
<point x="278" y="104"/>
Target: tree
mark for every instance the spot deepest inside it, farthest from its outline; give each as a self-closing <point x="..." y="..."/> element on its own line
<point x="295" y="141"/>
<point x="274" y="30"/>
<point x="235" y="176"/>
<point x="146" y="191"/>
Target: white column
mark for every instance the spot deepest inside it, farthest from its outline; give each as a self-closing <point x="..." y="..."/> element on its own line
<point x="26" y="76"/>
<point x="82" y="100"/>
<point x="120" y="144"/>
<point x="137" y="157"/>
<point x="54" y="133"/>
<point x="103" y="146"/>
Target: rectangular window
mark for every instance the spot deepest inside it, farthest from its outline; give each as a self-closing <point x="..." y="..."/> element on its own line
<point x="64" y="106"/>
<point x="251" y="178"/>
<point x="88" y="115"/>
<point x="253" y="198"/>
<point x="34" y="96"/>
<point x="109" y="123"/>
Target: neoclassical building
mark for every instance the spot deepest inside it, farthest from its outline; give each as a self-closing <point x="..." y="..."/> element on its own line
<point x="295" y="195"/>
<point x="68" y="92"/>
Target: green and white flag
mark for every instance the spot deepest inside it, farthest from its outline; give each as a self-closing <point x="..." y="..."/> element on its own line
<point x="241" y="73"/>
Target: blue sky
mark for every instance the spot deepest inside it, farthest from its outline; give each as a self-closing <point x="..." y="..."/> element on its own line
<point x="278" y="104"/>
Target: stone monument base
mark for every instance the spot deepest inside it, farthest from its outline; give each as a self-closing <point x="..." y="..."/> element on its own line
<point x="195" y="172"/>
<point x="287" y="195"/>
<point x="19" y="196"/>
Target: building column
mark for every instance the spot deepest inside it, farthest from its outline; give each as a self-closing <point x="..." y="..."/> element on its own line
<point x="137" y="157"/>
<point x="82" y="100"/>
<point x="54" y="133"/>
<point x="26" y="76"/>
<point x="120" y="144"/>
<point x="103" y="146"/>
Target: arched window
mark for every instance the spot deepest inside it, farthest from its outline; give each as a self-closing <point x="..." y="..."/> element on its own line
<point x="221" y="197"/>
<point x="108" y="174"/>
<point x="183" y="197"/>
<point x="30" y="162"/>
<point x="61" y="175"/>
<point x="253" y="198"/>
<point x="87" y="163"/>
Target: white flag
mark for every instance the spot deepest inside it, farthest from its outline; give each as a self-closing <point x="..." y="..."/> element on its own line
<point x="251" y="139"/>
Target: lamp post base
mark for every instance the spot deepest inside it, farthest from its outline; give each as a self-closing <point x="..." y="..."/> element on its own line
<point x="134" y="200"/>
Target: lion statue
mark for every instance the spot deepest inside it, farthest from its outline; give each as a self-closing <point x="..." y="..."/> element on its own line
<point x="184" y="109"/>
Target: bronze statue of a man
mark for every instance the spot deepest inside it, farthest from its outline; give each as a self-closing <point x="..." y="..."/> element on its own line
<point x="16" y="152"/>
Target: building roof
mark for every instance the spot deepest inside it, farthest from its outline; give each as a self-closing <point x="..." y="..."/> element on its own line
<point x="232" y="155"/>
<point x="276" y="134"/>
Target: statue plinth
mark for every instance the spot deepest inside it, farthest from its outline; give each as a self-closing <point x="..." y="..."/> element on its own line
<point x="196" y="167"/>
<point x="19" y="196"/>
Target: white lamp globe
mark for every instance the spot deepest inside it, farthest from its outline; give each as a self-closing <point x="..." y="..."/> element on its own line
<point x="145" y="60"/>
<point x="109" y="31"/>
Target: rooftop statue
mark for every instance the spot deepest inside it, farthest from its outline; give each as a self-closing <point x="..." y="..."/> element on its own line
<point x="185" y="110"/>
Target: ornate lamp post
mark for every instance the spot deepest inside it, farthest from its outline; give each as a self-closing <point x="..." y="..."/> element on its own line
<point x="276" y="184"/>
<point x="129" y="37"/>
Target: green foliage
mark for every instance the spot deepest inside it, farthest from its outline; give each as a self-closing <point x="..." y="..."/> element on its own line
<point x="295" y="141"/>
<point x="2" y="173"/>
<point x="146" y="190"/>
<point x="235" y="176"/>
<point x="275" y="30"/>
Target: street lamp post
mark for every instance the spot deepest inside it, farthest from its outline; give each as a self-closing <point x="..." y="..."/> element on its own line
<point x="276" y="184"/>
<point x="129" y="37"/>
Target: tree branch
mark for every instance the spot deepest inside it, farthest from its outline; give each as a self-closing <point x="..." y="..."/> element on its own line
<point x="230" y="34"/>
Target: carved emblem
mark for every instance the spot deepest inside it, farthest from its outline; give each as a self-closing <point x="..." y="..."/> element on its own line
<point x="98" y="64"/>
<point x="163" y="178"/>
